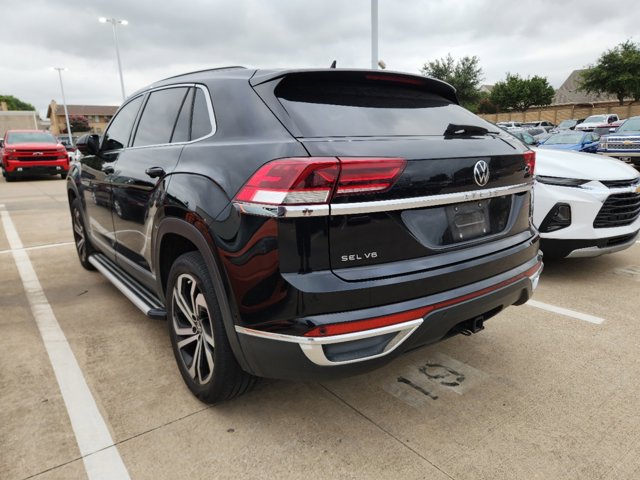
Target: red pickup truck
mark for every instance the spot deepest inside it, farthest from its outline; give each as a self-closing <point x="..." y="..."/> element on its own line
<point x="32" y="152"/>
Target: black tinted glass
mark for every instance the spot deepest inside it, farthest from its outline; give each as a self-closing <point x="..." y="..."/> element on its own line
<point x="201" y="124"/>
<point x="159" y="117"/>
<point x="181" y="131"/>
<point x="339" y="109"/>
<point x="118" y="133"/>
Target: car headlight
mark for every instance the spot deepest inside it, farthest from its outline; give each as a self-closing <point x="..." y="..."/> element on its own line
<point x="602" y="145"/>
<point x="564" y="182"/>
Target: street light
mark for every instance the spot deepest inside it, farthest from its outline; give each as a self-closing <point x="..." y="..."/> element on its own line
<point x="64" y="102"/>
<point x="113" y="23"/>
<point x="374" y="34"/>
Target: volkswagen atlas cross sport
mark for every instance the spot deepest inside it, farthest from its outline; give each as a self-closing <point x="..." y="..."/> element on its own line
<point x="304" y="224"/>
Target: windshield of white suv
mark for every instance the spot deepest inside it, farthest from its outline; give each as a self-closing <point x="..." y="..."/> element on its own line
<point x="30" y="137"/>
<point x="564" y="139"/>
<point x="567" y="124"/>
<point x="630" y="126"/>
<point x="596" y="118"/>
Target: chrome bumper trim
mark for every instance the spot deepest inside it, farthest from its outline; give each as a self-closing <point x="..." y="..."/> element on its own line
<point x="286" y="211"/>
<point x="312" y="346"/>
<point x="535" y="278"/>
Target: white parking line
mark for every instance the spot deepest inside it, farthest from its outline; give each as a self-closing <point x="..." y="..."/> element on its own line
<point x="40" y="247"/>
<point x="100" y="456"/>
<point x="565" y="311"/>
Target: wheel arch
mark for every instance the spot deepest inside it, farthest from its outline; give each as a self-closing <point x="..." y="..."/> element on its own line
<point x="177" y="236"/>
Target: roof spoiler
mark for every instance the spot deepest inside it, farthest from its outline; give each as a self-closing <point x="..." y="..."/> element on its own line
<point x="432" y="85"/>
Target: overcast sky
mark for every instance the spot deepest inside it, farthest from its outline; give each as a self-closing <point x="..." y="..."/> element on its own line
<point x="543" y="37"/>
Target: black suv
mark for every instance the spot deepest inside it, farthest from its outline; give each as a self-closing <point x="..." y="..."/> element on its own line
<point x="304" y="224"/>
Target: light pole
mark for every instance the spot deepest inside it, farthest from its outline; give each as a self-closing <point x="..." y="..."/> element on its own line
<point x="114" y="22"/>
<point x="374" y="34"/>
<point x="64" y="103"/>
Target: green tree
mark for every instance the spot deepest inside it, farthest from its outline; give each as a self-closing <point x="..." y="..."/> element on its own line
<point x="14" y="103"/>
<point x="519" y="93"/>
<point x="464" y="75"/>
<point x="79" y="123"/>
<point x="616" y="73"/>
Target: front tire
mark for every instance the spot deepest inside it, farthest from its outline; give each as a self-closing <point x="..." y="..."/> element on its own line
<point x="199" y="341"/>
<point x="80" y="236"/>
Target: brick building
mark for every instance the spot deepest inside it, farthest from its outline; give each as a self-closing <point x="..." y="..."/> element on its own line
<point x="97" y="115"/>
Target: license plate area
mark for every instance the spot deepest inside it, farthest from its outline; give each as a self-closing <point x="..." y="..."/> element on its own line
<point x="451" y="225"/>
<point x="468" y="220"/>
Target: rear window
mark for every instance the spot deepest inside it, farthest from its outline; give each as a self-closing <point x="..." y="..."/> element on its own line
<point x="30" y="137"/>
<point x="363" y="109"/>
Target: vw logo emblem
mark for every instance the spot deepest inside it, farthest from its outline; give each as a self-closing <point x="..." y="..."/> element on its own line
<point x="481" y="173"/>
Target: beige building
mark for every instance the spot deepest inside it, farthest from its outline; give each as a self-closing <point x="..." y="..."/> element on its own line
<point x="97" y="115"/>
<point x="17" y="120"/>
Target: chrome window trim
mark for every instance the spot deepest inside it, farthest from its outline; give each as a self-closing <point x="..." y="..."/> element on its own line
<point x="292" y="211"/>
<point x="312" y="346"/>
<point x="212" y="118"/>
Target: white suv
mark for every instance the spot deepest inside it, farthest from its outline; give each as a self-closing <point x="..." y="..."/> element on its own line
<point x="596" y="120"/>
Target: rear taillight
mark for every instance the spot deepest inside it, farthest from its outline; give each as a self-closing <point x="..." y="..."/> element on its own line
<point x="530" y="161"/>
<point x="316" y="180"/>
<point x="368" y="175"/>
<point x="292" y="181"/>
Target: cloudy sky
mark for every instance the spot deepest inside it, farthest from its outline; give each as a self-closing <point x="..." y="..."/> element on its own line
<point x="163" y="38"/>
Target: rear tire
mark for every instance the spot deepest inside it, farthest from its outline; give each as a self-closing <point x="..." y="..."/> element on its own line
<point x="80" y="236"/>
<point x="198" y="338"/>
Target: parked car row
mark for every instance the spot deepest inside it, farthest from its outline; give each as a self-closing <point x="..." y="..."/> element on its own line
<point x="624" y="143"/>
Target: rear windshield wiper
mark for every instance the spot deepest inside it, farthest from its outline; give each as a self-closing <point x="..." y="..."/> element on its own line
<point x="453" y="129"/>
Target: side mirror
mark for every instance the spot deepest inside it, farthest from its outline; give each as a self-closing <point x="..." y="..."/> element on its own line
<point x="1" y="142"/>
<point x="88" y="144"/>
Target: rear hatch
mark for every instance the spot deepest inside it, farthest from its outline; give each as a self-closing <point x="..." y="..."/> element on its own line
<point x="460" y="191"/>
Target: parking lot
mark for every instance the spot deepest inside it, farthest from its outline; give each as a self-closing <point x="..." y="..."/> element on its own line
<point x="548" y="390"/>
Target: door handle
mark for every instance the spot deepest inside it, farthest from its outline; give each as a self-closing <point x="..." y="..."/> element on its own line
<point x="108" y="170"/>
<point x="154" y="172"/>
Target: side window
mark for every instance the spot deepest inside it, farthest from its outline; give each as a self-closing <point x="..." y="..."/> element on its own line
<point x="118" y="133"/>
<point x="159" y="116"/>
<point x="183" y="123"/>
<point x="201" y="123"/>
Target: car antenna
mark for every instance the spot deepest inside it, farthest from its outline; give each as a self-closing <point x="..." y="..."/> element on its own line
<point x="333" y="64"/>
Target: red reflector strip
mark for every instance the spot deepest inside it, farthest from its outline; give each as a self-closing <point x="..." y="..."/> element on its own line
<point x="387" y="320"/>
<point x="530" y="161"/>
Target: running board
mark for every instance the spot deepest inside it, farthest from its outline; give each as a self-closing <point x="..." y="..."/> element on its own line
<point x="142" y="298"/>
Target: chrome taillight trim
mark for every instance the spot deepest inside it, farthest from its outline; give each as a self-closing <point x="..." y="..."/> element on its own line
<point x="290" y="211"/>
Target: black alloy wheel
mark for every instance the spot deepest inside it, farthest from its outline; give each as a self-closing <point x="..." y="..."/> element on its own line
<point x="83" y="244"/>
<point x="198" y="338"/>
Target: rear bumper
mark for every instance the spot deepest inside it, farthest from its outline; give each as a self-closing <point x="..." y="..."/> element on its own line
<point x="301" y="358"/>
